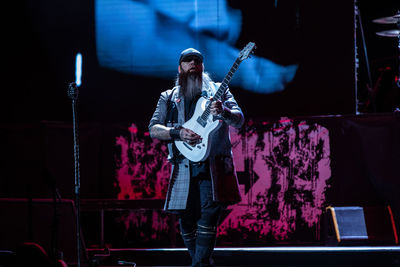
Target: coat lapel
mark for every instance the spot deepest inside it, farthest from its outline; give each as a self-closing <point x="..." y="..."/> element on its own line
<point x="180" y="105"/>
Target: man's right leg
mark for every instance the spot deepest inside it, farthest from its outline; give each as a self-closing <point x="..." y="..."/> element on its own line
<point x="188" y="219"/>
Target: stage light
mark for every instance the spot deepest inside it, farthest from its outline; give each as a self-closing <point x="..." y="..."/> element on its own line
<point x="78" y="69"/>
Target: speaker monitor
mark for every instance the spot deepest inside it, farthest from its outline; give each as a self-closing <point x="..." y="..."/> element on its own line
<point x="366" y="225"/>
<point x="23" y="220"/>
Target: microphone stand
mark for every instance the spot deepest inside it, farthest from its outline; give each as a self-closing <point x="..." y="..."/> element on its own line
<point x="73" y="95"/>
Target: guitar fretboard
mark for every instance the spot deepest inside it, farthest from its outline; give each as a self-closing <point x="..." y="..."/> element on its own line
<point x="222" y="88"/>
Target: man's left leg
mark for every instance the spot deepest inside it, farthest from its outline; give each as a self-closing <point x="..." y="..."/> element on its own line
<point x="206" y="225"/>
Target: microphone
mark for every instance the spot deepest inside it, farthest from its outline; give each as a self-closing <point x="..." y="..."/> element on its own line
<point x="72" y="91"/>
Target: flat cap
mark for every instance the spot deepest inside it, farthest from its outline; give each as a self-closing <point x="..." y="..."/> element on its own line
<point x="190" y="52"/>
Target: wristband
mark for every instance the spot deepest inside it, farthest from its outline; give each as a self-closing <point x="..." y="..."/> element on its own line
<point x="175" y="133"/>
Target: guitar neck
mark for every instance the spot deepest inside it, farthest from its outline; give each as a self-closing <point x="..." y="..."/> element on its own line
<point x="227" y="79"/>
<point x="222" y="87"/>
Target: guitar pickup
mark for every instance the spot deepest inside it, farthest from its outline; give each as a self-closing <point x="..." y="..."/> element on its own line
<point x="202" y="122"/>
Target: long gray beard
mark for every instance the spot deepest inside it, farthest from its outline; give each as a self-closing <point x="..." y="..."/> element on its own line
<point x="190" y="85"/>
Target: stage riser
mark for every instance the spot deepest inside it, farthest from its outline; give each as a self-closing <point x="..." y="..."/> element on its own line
<point x="248" y="258"/>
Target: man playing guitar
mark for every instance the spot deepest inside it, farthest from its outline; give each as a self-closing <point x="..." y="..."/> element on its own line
<point x="201" y="186"/>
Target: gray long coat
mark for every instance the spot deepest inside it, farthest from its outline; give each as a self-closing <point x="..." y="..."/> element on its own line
<point x="223" y="174"/>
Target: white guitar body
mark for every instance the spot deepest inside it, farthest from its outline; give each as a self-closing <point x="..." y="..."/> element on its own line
<point x="205" y="129"/>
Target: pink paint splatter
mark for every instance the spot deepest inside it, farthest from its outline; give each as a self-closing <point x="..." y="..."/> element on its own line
<point x="284" y="167"/>
<point x="142" y="168"/>
<point x="288" y="167"/>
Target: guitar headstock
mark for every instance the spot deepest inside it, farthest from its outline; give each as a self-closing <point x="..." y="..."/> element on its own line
<point x="245" y="53"/>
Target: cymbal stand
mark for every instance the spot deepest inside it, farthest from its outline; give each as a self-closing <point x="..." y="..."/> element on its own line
<point x="398" y="48"/>
<point x="358" y="21"/>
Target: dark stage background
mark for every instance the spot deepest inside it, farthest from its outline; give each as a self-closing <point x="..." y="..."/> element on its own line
<point x="316" y="36"/>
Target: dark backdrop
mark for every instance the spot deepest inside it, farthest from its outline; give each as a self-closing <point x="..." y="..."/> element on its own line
<point x="44" y="37"/>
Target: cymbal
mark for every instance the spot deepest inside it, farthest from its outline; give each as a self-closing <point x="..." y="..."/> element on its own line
<point x="388" y="20"/>
<point x="389" y="33"/>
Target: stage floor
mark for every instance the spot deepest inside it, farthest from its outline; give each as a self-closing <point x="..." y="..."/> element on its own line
<point x="379" y="256"/>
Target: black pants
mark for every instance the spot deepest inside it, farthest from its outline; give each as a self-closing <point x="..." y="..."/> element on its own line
<point x="199" y="221"/>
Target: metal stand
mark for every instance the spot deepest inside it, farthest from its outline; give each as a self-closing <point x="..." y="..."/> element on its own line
<point x="73" y="95"/>
<point x="358" y="21"/>
<point x="356" y="65"/>
<point x="398" y="49"/>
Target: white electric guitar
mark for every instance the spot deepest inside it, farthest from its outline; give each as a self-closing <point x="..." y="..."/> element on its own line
<point x="202" y="122"/>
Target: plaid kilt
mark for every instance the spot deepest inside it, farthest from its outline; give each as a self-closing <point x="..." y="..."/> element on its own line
<point x="178" y="188"/>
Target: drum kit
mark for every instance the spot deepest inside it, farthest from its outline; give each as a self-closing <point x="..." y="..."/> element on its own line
<point x="389" y="20"/>
<point x="391" y="33"/>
